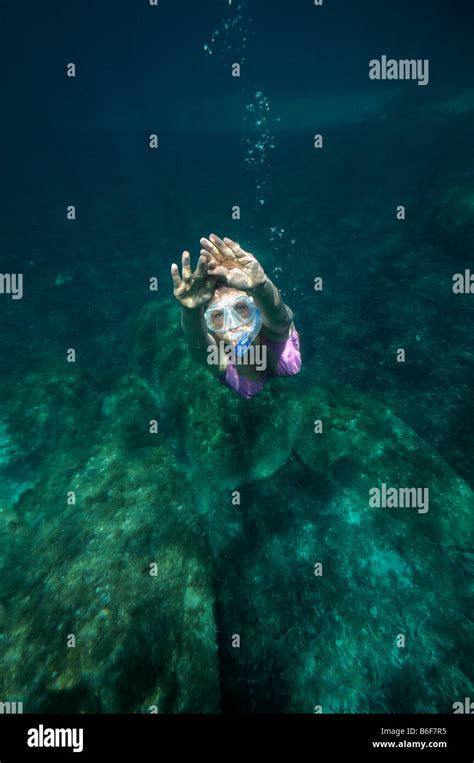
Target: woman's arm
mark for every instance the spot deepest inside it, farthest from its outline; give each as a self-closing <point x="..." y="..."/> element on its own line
<point x="242" y="270"/>
<point x="276" y="316"/>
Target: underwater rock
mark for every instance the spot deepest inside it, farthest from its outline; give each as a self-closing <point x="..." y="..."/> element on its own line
<point x="133" y="409"/>
<point x="364" y="446"/>
<point x="43" y="410"/>
<point x="159" y="347"/>
<point x="141" y="640"/>
<point x="450" y="222"/>
<point x="335" y="610"/>
<point x="235" y="441"/>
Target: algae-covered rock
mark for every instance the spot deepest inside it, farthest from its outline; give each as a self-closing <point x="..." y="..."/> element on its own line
<point x="116" y="614"/>
<point x="333" y="613"/>
<point x="52" y="406"/>
<point x="449" y="220"/>
<point x="133" y="409"/>
<point x="159" y="347"/>
<point x="364" y="446"/>
<point x="233" y="441"/>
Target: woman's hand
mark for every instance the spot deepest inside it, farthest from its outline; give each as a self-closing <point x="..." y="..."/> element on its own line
<point x="228" y="260"/>
<point x="193" y="290"/>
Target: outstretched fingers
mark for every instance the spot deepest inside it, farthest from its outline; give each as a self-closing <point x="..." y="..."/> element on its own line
<point x="201" y="270"/>
<point x="234" y="245"/>
<point x="225" y="250"/>
<point x="209" y="247"/>
<point x="239" y="253"/>
<point x="175" y="275"/>
<point x="186" y="266"/>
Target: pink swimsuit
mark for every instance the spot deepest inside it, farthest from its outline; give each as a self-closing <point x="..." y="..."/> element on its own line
<point x="289" y="363"/>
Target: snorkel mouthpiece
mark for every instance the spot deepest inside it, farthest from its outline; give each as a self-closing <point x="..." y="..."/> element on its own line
<point x="247" y="338"/>
<point x="242" y="345"/>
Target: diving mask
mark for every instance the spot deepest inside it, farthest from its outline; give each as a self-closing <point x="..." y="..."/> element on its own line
<point x="240" y="318"/>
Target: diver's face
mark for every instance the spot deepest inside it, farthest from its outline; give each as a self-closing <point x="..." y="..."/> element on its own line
<point x="224" y="296"/>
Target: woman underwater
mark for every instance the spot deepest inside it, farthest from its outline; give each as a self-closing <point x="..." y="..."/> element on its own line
<point x="233" y="316"/>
